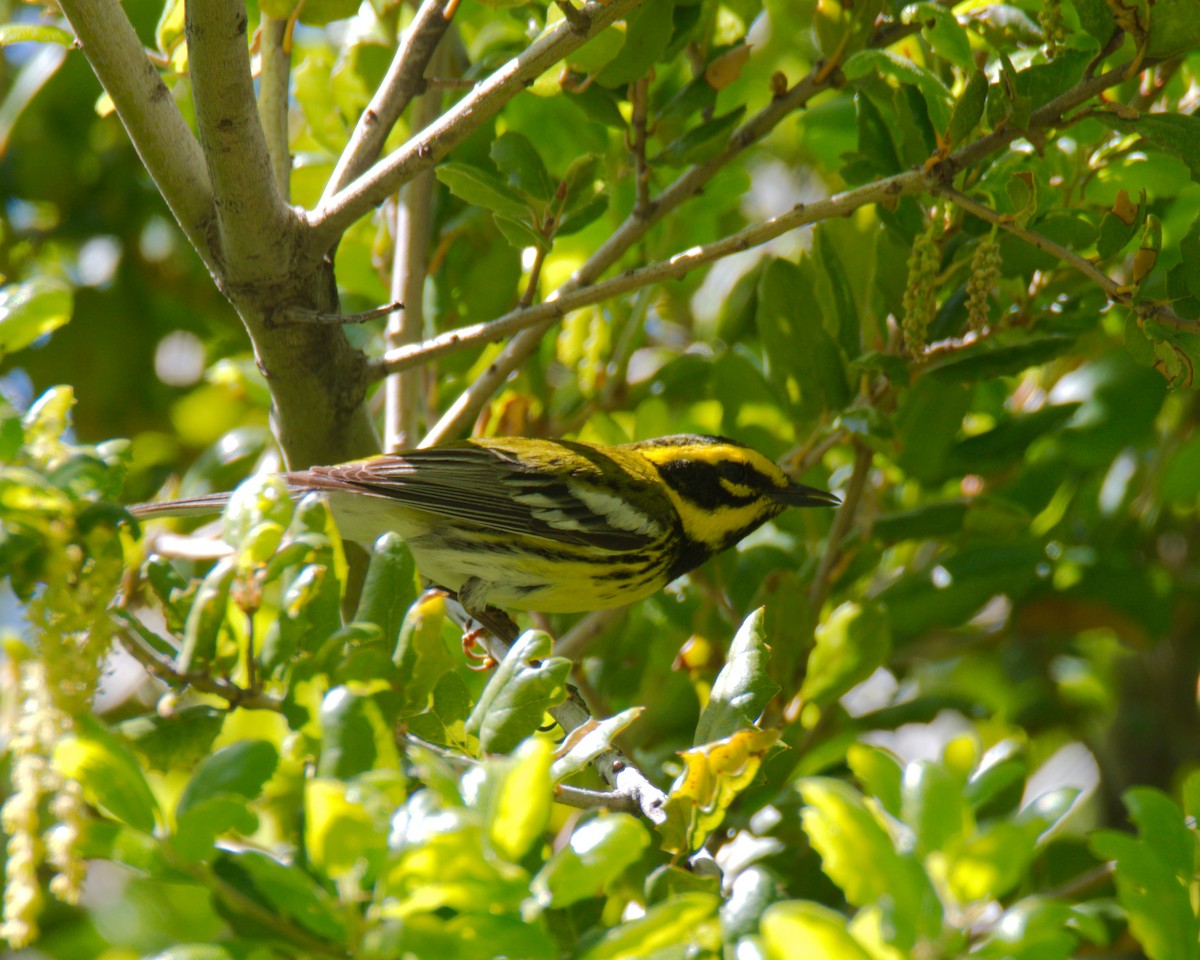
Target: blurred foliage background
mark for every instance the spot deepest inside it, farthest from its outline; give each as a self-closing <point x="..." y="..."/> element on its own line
<point x="959" y="714"/>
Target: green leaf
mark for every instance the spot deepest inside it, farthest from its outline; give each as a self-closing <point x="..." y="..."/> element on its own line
<point x="588" y="741"/>
<point x="742" y="688"/>
<point x="835" y="289"/>
<point x="932" y="804"/>
<point x="902" y="70"/>
<point x="989" y="864"/>
<point x="1161" y="826"/>
<point x="1157" y="902"/>
<point x="713" y="775"/>
<point x="802" y="359"/>
<point x="178" y="741"/>
<point x="207" y="615"/>
<point x="241" y="770"/>
<point x="1176" y="133"/>
<point x="1174" y="28"/>
<point x="598" y="852"/>
<point x="517" y="158"/>
<point x="989" y="358"/>
<point x="440" y="860"/>
<point x="947" y="37"/>
<point x="954" y="589"/>
<point x="520" y="233"/>
<point x="646" y="37"/>
<point x="685" y="925"/>
<point x="1008" y="442"/>
<point x="527" y="682"/>
<point x="701" y="143"/>
<point x="421" y="657"/>
<point x="968" y="109"/>
<point x="880" y="772"/>
<point x="341" y="830"/>
<point x="802" y="930"/>
<point x="582" y="216"/>
<point x="998" y="787"/>
<point x="1096" y="18"/>
<point x="1033" y="929"/>
<point x="482" y="189"/>
<point x="519" y="801"/>
<point x="107" y="772"/>
<point x="282" y="889"/>
<point x="197" y="829"/>
<point x="11" y="33"/>
<point x="34" y="308"/>
<point x="390" y="586"/>
<point x="445" y="719"/>
<point x="850" y="644"/>
<point x="355" y="736"/>
<point x="847" y="835"/>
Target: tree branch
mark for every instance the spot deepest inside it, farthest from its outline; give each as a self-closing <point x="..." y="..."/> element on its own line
<point x="534" y="322"/>
<point x="276" y="61"/>
<point x="153" y="121"/>
<point x="564" y="300"/>
<point x="252" y="216"/>
<point x="330" y="220"/>
<point x="403" y="81"/>
<point x="162" y="668"/>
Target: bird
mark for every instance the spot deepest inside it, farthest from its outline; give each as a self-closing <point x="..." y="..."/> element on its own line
<point x="552" y="525"/>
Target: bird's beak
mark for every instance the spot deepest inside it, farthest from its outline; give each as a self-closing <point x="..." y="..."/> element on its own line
<point x="798" y="495"/>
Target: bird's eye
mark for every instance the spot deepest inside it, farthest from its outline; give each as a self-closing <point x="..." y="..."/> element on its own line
<point x="736" y="471"/>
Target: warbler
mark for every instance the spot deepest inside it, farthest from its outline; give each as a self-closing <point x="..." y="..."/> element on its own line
<point x="557" y="526"/>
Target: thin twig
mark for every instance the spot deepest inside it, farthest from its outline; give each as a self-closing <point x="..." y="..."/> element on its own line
<point x="422" y="151"/>
<point x="164" y="669"/>
<point x="584" y="799"/>
<point x="410" y="265"/>
<point x="572" y="297"/>
<point x="842" y="523"/>
<point x="575" y="642"/>
<point x="1115" y="291"/>
<point x="302" y="315"/>
<point x="638" y="95"/>
<point x="402" y="82"/>
<point x="573" y="15"/>
<point x="246" y="906"/>
<point x="535" y="273"/>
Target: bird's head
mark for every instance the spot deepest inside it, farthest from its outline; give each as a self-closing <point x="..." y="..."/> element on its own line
<point x="723" y="490"/>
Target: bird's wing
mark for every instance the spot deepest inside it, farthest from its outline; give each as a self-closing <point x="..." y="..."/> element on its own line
<point x="491" y="487"/>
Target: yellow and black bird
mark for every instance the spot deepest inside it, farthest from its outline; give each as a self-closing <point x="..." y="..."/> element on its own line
<point x="552" y="525"/>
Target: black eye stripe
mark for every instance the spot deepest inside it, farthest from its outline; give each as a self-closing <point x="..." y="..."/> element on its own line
<point x="700" y="482"/>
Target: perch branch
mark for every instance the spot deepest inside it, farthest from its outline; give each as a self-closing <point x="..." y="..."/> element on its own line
<point x="631" y="789"/>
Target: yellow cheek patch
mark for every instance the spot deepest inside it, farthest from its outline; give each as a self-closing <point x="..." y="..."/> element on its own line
<point x="739" y="491"/>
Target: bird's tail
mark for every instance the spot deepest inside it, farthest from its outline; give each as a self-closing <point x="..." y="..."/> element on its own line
<point x="206" y="504"/>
